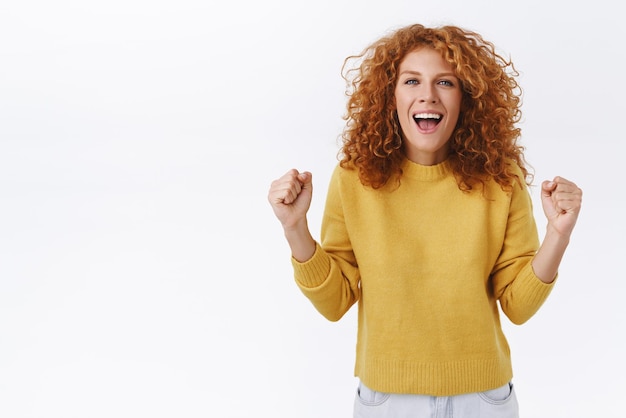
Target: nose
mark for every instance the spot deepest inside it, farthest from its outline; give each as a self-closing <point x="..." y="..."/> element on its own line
<point x="428" y="94"/>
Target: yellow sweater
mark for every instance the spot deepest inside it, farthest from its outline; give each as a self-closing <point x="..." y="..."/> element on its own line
<point x="427" y="264"/>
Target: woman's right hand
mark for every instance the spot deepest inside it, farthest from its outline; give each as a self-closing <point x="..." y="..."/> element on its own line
<point x="290" y="197"/>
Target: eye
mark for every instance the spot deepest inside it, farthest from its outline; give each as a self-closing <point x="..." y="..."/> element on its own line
<point x="411" y="81"/>
<point x="446" y="83"/>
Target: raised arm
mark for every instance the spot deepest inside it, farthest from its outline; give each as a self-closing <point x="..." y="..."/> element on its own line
<point x="561" y="200"/>
<point x="290" y="197"/>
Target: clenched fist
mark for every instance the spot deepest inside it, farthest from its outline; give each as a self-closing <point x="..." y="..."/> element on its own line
<point x="561" y="200"/>
<point x="290" y="197"/>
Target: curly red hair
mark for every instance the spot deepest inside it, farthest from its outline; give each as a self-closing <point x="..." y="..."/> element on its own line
<point x="484" y="143"/>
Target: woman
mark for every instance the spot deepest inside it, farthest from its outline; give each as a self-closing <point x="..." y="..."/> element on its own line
<point x="428" y="225"/>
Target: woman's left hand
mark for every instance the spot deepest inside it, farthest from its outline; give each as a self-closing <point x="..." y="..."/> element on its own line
<point x="561" y="200"/>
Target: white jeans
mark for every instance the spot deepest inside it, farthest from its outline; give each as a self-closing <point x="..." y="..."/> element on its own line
<point x="496" y="403"/>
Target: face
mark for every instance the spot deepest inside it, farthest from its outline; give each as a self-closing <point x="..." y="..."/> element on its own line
<point x="428" y="102"/>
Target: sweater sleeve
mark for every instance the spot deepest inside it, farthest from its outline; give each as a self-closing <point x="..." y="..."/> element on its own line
<point x="520" y="292"/>
<point x="330" y="279"/>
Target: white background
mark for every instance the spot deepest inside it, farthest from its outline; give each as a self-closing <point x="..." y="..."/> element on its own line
<point x="142" y="272"/>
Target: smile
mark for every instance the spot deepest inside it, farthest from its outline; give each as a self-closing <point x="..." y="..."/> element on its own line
<point x="427" y="121"/>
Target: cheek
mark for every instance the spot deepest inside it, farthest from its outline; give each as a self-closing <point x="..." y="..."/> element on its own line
<point x="456" y="111"/>
<point x="400" y="98"/>
<point x="455" y="108"/>
<point x="402" y="106"/>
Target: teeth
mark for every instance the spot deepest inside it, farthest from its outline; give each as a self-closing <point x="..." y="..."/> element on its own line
<point x="427" y="116"/>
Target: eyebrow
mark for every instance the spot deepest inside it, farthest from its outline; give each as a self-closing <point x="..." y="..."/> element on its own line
<point x="445" y="74"/>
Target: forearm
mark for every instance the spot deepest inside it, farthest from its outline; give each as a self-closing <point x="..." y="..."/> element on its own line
<point x="300" y="241"/>
<point x="548" y="258"/>
<point x="561" y="200"/>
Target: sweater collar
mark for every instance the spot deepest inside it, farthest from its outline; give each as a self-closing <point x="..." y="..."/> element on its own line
<point x="426" y="172"/>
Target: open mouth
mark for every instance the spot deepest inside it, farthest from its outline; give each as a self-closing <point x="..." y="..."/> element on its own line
<point x="427" y="121"/>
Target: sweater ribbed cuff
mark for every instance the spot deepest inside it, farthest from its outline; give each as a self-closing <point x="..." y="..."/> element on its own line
<point x="313" y="272"/>
<point x="538" y="290"/>
<point x="528" y="293"/>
